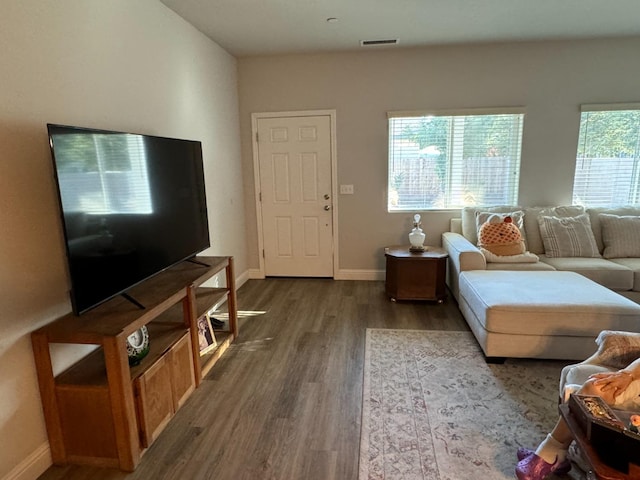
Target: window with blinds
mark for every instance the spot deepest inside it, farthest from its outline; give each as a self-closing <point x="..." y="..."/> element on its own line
<point x="607" y="161"/>
<point x="103" y="174"/>
<point x="443" y="161"/>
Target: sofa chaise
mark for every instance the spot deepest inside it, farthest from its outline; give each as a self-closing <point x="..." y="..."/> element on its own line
<point x="583" y="281"/>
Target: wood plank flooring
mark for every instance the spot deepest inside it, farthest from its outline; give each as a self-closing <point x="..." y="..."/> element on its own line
<point x="285" y="400"/>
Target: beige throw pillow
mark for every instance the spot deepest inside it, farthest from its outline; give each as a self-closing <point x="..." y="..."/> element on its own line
<point x="596" y="225"/>
<point x="620" y="236"/>
<point x="568" y="237"/>
<point x="531" y="215"/>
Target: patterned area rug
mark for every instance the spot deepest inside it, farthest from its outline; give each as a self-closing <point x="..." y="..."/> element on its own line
<point x="434" y="410"/>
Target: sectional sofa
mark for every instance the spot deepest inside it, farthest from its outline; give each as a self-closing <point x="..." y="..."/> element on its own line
<point x="617" y="265"/>
<point x="581" y="276"/>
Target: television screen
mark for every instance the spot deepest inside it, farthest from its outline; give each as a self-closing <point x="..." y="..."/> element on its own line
<point x="132" y="205"/>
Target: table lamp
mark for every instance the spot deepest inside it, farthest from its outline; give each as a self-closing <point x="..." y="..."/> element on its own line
<point x="416" y="237"/>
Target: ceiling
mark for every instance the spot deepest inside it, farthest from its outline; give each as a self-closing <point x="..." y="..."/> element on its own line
<point x="264" y="27"/>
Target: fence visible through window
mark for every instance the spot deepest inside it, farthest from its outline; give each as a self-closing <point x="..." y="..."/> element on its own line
<point x="440" y="162"/>
<point x="607" y="170"/>
<point x="603" y="182"/>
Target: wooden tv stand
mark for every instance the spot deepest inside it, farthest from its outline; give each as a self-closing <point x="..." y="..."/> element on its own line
<point x="100" y="411"/>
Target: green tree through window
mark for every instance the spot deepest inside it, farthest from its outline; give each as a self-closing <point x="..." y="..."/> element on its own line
<point x="607" y="169"/>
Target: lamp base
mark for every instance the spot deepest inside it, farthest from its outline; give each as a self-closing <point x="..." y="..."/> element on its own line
<point x="417" y="249"/>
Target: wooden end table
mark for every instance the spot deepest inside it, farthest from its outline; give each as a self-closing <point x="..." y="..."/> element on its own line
<point x="599" y="470"/>
<point x="416" y="275"/>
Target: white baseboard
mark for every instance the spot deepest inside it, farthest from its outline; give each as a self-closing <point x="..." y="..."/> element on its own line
<point x="242" y="278"/>
<point x="33" y="466"/>
<point x="255" y="274"/>
<point x="360" y="275"/>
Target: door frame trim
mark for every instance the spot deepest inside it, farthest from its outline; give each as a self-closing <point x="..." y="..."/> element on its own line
<point x="334" y="178"/>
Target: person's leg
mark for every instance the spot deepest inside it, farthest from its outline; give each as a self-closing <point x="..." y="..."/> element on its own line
<point x="555" y="446"/>
<point x="559" y="439"/>
<point x="551" y="455"/>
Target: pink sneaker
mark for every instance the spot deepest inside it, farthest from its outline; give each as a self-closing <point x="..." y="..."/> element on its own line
<point x="533" y="467"/>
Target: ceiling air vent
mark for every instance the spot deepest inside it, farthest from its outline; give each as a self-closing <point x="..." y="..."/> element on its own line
<point x="373" y="43"/>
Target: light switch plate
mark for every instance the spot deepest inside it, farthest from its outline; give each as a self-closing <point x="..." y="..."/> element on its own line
<point x="346" y="189"/>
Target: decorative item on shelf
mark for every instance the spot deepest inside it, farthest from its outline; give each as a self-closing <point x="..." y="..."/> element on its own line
<point x="416" y="237"/>
<point x="138" y="345"/>
<point x="206" y="337"/>
<point x="216" y="324"/>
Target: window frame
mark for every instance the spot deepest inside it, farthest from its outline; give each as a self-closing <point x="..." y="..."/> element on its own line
<point x="455" y="151"/>
<point x="633" y="185"/>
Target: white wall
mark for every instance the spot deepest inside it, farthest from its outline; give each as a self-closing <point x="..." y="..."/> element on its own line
<point x="551" y="79"/>
<point x="116" y="64"/>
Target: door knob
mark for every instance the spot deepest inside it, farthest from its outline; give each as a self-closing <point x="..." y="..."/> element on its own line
<point x="326" y="196"/>
<point x="327" y="208"/>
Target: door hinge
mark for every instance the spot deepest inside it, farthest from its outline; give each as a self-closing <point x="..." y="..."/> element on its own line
<point x="263" y="253"/>
<point x="257" y="138"/>
<point x="260" y="196"/>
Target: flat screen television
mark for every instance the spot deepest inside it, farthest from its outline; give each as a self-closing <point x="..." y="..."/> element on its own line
<point x="132" y="206"/>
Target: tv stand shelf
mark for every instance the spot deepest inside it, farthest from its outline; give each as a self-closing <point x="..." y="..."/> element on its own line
<point x="103" y="412"/>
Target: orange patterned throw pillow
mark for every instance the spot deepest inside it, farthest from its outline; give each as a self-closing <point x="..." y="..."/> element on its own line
<point x="502" y="238"/>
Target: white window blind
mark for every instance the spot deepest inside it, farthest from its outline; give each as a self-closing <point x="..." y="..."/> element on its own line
<point x="103" y="174"/>
<point x="442" y="161"/>
<point x="607" y="162"/>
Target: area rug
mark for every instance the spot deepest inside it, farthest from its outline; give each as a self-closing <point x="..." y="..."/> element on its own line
<point x="433" y="409"/>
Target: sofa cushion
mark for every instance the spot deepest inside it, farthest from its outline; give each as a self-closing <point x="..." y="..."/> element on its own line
<point x="532" y="228"/>
<point x="534" y="266"/>
<point x="632" y="264"/>
<point x="605" y="272"/>
<point x="594" y="213"/>
<point x="567" y="236"/>
<point x="544" y="303"/>
<point x="455" y="225"/>
<point x="469" y="223"/>
<point x="620" y="236"/>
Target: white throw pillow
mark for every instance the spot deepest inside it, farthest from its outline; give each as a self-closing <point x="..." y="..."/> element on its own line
<point x="568" y="237"/>
<point x="620" y="236"/>
<point x="525" y="257"/>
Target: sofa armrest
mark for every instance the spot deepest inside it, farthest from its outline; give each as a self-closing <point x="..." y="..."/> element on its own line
<point x="463" y="254"/>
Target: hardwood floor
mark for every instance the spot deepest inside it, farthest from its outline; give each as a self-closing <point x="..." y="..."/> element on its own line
<point x="285" y="400"/>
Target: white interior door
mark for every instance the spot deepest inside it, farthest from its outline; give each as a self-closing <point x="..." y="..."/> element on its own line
<point x="294" y="156"/>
